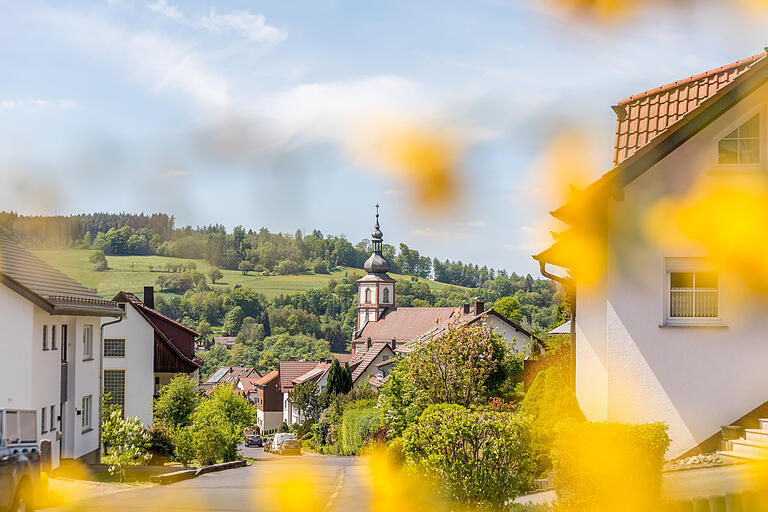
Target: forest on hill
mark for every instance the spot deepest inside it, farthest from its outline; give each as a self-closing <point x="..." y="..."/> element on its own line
<point x="304" y="324"/>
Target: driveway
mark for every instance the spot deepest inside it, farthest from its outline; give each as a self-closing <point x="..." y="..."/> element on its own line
<point x="272" y="482"/>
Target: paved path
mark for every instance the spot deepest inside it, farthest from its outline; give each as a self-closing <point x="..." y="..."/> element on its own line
<point x="330" y="483"/>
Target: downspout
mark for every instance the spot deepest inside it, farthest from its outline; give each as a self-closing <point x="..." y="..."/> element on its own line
<point x="569" y="287"/>
<point x="101" y="372"/>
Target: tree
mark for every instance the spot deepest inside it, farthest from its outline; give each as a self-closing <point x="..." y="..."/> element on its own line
<point x="214" y="274"/>
<point x="177" y="402"/>
<point x="304" y="397"/>
<point x="346" y="379"/>
<point x="509" y="307"/>
<point x="219" y="423"/>
<point x="334" y="385"/>
<point x="99" y="261"/>
<point x="234" y="320"/>
<point x="127" y="441"/>
<point x="245" y="266"/>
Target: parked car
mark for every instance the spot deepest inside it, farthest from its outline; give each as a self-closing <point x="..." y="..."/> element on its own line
<point x="286" y="443"/>
<point x="253" y="440"/>
<point x="22" y="482"/>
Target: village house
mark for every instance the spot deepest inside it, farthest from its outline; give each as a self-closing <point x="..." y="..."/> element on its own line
<point x="225" y="341"/>
<point x="52" y="339"/>
<point x="143" y="353"/>
<point x="289" y="371"/>
<point x="269" y="402"/>
<point x="661" y="334"/>
<point x="228" y="375"/>
<point x="384" y="329"/>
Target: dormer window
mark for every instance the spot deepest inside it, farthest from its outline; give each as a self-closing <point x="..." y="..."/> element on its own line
<point x="742" y="145"/>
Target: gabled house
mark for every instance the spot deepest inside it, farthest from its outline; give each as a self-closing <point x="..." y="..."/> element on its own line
<point x="662" y="333"/>
<point x="269" y="402"/>
<point x="143" y="352"/>
<point x="288" y="371"/>
<point x="52" y="355"/>
<point x="228" y="375"/>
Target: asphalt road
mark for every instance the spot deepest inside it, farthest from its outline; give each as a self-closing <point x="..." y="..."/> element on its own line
<point x="280" y="483"/>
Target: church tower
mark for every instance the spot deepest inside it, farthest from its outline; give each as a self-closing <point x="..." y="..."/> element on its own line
<point x="375" y="291"/>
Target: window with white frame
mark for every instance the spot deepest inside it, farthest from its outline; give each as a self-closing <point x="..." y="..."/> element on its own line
<point x="87" y="342"/>
<point x="385" y="295"/>
<point x="742" y="145"/>
<point x="367" y="295"/>
<point x="53" y="418"/>
<point x="85" y="412"/>
<point x="693" y="291"/>
<point x="54" y="341"/>
<point x="45" y="337"/>
<point x="43" y="421"/>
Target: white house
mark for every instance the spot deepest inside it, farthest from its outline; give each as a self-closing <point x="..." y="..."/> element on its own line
<point x="289" y="373"/>
<point x="51" y="351"/>
<point x="661" y="334"/>
<point x="143" y="352"/>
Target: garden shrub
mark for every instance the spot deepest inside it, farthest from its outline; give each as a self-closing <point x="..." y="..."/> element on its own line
<point x="550" y="403"/>
<point x="479" y="457"/>
<point x="610" y="466"/>
<point x="184" y="448"/>
<point x="219" y="425"/>
<point x="360" y="421"/>
<point x="396" y="451"/>
<point x="160" y="447"/>
<point x="127" y="439"/>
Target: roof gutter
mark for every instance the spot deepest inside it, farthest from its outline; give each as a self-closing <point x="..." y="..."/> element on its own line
<point x="101" y="373"/>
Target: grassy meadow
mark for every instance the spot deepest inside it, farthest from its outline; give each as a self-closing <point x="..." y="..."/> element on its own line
<point x="132" y="273"/>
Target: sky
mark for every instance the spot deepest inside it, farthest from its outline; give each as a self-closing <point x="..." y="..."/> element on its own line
<point x="248" y="113"/>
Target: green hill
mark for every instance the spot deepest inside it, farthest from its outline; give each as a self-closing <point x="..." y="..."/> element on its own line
<point x="132" y="273"/>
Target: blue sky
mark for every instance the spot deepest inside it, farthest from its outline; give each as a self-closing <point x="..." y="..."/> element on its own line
<point x="243" y="112"/>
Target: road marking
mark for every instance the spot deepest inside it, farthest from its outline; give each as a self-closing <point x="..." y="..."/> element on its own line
<point x="336" y="491"/>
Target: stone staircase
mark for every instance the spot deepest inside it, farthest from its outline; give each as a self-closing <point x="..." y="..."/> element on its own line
<point x="746" y="444"/>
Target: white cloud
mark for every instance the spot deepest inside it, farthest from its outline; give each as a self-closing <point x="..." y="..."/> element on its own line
<point x="440" y="234"/>
<point x="162" y="7"/>
<point x="174" y="173"/>
<point x="37" y="104"/>
<point x="243" y="23"/>
<point x="250" y="26"/>
<point x="471" y="224"/>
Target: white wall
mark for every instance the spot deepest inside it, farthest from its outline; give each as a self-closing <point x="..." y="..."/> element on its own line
<point x="269" y="420"/>
<point x="138" y="363"/>
<point x="630" y="367"/>
<point x="372" y="369"/>
<point x="516" y="340"/>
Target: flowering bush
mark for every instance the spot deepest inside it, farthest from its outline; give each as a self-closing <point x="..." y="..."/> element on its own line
<point x="498" y="405"/>
<point x="127" y="440"/>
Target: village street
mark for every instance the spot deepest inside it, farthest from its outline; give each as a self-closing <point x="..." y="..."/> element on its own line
<point x="337" y="483"/>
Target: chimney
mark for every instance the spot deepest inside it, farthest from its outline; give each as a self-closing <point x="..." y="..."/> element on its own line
<point x="466" y="309"/>
<point x="368" y="342"/>
<point x="149" y="296"/>
<point x="394" y="343"/>
<point x="479" y="306"/>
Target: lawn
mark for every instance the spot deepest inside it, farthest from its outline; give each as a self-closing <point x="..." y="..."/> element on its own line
<point x="132" y="273"/>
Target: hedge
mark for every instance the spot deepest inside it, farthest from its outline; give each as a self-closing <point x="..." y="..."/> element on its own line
<point x="479" y="457"/>
<point x="610" y="466"/>
<point x="360" y="421"/>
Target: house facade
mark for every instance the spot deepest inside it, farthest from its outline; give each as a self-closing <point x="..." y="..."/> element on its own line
<point x="52" y="332"/>
<point x="269" y="402"/>
<point x="143" y="353"/>
<point x="288" y="372"/>
<point x="663" y="333"/>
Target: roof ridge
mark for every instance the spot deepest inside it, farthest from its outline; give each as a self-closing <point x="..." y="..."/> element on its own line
<point x="693" y="78"/>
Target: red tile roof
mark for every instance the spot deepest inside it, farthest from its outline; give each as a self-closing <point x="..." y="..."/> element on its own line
<point x="289" y="370"/>
<point x="314" y="374"/>
<point x="268" y="378"/>
<point x="404" y="324"/>
<point x="249" y="383"/>
<point x="641" y="117"/>
<point x="341" y="357"/>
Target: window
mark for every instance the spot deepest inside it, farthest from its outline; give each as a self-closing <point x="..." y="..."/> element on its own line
<point x="693" y="295"/>
<point x="53" y="418"/>
<point x="114" y="347"/>
<point x="45" y="337"/>
<point x="114" y="384"/>
<point x="742" y="145"/>
<point x="43" y="421"/>
<point x="385" y="295"/>
<point x="87" y="342"/>
<point x="64" y="343"/>
<point x="85" y="413"/>
<point x="367" y="295"/>
<point x="54" y="341"/>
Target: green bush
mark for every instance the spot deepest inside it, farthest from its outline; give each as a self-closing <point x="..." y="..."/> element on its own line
<point x="219" y="425"/>
<point x="177" y="402"/>
<point x="361" y="420"/>
<point x="479" y="457"/>
<point x="610" y="466"/>
<point x="550" y="403"/>
<point x="183" y="445"/>
<point x="396" y="451"/>
<point x="160" y="446"/>
<point x="127" y="440"/>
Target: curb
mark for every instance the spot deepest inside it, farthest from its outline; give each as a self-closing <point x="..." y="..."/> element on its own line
<point x="186" y="474"/>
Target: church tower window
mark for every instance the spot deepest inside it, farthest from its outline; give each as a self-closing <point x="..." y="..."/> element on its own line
<point x="385" y="295"/>
<point x="367" y="295"/>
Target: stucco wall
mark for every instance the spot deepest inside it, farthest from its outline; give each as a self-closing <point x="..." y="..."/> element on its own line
<point x="630" y="366"/>
<point x="138" y="363"/>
